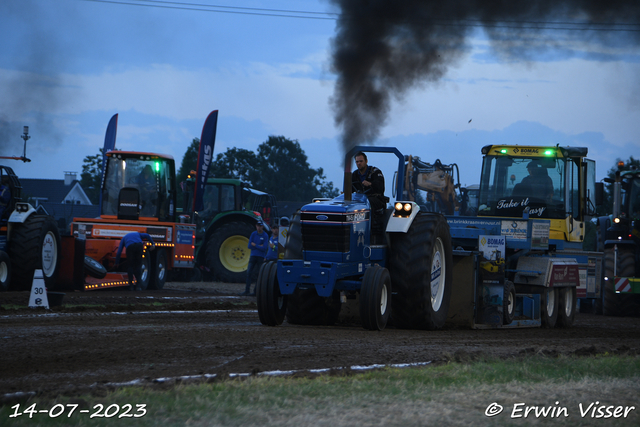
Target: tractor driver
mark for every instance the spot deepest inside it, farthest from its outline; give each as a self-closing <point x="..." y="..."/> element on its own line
<point x="370" y="181"/>
<point x="537" y="184"/>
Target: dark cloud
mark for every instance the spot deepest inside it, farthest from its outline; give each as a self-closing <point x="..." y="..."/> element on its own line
<point x="383" y="48"/>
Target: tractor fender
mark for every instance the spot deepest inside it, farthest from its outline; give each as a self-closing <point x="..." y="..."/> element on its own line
<point x="21" y="212"/>
<point x="400" y="220"/>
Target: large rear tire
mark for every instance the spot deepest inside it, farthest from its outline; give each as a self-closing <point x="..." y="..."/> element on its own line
<point x="272" y="305"/>
<point x="615" y="304"/>
<point x="375" y="298"/>
<point x="421" y="265"/>
<point x="5" y="271"/>
<point x="227" y="253"/>
<point x="34" y="244"/>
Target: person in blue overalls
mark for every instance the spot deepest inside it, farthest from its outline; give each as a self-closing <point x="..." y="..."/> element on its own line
<point x="134" y="245"/>
<point x="258" y="242"/>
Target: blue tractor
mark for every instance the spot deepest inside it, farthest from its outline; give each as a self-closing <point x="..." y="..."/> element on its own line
<point x="395" y="259"/>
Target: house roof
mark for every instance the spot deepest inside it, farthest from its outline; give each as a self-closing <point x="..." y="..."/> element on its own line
<point x="49" y="190"/>
<point x="70" y="211"/>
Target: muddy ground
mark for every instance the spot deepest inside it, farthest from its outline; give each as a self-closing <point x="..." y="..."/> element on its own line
<point x="100" y="340"/>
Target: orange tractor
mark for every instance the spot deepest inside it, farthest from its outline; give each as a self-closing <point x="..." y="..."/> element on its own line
<point x="138" y="193"/>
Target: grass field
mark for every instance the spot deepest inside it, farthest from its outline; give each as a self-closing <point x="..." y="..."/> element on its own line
<point x="537" y="390"/>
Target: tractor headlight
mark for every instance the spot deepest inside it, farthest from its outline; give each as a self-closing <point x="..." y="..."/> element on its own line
<point x="616" y="220"/>
<point x="403" y="209"/>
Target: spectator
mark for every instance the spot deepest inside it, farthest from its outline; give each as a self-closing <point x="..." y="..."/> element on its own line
<point x="258" y="244"/>
<point x="272" y="252"/>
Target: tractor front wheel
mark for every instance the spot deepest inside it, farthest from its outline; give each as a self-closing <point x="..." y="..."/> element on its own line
<point x="272" y="305"/>
<point x="375" y="298"/>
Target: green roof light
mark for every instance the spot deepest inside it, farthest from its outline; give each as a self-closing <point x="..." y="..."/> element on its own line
<point x="548" y="153"/>
<point x="503" y="151"/>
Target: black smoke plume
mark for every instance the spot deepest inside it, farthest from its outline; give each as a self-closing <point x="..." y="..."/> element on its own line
<point x="32" y="89"/>
<point x="383" y="48"/>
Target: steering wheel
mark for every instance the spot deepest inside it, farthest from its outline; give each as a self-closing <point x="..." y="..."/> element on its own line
<point x="360" y="190"/>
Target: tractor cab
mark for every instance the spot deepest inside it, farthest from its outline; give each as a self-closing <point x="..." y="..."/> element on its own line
<point x="624" y="223"/>
<point x="138" y="185"/>
<point x="631" y="195"/>
<point x="551" y="183"/>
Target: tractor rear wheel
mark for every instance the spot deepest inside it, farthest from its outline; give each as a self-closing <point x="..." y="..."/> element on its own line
<point x="615" y="304"/>
<point x="5" y="271"/>
<point x="227" y="253"/>
<point x="272" y="305"/>
<point x="421" y="265"/>
<point x="375" y="298"/>
<point x="34" y="244"/>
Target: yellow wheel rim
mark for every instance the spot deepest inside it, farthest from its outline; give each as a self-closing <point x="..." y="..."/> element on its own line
<point x="234" y="253"/>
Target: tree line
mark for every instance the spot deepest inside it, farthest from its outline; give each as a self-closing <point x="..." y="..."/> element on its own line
<point x="279" y="166"/>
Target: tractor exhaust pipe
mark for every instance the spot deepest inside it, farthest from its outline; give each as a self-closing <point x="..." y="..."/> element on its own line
<point x="347" y="178"/>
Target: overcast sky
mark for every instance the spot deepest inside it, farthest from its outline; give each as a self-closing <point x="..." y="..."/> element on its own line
<point x="67" y="66"/>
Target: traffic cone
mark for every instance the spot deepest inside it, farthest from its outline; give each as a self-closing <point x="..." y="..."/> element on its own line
<point x="38" y="297"/>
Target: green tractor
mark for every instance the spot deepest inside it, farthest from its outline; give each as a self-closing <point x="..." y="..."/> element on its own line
<point x="223" y="228"/>
<point x="620" y="240"/>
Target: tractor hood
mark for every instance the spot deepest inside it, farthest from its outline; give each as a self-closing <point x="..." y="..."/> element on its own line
<point x="328" y="226"/>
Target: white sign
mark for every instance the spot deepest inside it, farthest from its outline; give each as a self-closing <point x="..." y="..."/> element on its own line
<point x="514" y="229"/>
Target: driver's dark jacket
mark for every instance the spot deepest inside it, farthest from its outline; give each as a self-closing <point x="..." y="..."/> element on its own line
<point x="375" y="193"/>
<point x="374" y="176"/>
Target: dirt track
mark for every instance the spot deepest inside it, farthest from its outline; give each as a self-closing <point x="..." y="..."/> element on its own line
<point x="205" y="329"/>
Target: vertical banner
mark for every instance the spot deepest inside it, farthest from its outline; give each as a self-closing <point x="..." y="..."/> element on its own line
<point x="205" y="156"/>
<point x="109" y="144"/>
